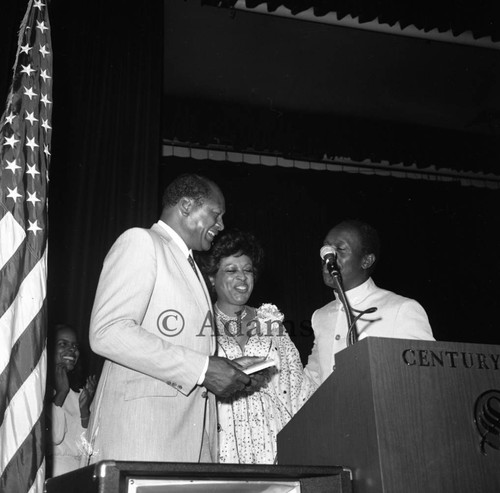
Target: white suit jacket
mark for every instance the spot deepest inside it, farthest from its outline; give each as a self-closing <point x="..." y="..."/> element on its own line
<point x="396" y="317"/>
<point x="151" y="320"/>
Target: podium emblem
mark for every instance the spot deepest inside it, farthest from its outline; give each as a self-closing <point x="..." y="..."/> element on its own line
<point x="487" y="419"/>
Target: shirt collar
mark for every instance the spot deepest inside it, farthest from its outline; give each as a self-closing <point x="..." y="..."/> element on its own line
<point x="176" y="238"/>
<point x="359" y="293"/>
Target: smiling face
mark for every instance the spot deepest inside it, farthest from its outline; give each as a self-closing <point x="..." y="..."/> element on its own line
<point x="233" y="282"/>
<point x="204" y="222"/>
<point x="353" y="264"/>
<point x="66" y="349"/>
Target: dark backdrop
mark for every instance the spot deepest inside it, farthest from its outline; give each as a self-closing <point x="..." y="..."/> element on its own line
<point x="439" y="240"/>
<point x="107" y="84"/>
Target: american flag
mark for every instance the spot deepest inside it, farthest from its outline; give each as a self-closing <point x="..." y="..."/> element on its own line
<point x="25" y="134"/>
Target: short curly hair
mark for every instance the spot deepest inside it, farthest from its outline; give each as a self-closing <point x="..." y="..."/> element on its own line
<point x="231" y="242"/>
<point x="194" y="186"/>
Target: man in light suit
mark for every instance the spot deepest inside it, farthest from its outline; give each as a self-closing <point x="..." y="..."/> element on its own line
<point x="357" y="247"/>
<point x="152" y="321"/>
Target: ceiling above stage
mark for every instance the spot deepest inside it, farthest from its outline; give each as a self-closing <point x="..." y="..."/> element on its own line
<point x="479" y="17"/>
<point x="231" y="64"/>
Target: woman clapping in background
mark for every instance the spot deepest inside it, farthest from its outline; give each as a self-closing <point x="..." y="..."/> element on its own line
<point x="70" y="401"/>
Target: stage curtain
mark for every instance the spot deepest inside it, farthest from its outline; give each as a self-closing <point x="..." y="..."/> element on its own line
<point x="439" y="244"/>
<point x="314" y="137"/>
<point x="106" y="143"/>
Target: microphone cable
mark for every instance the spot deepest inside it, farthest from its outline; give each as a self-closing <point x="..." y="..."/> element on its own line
<point x="352" y="336"/>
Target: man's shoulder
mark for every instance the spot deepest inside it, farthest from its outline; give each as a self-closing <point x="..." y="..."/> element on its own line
<point x="325" y="309"/>
<point x="132" y="239"/>
<point x="131" y="234"/>
<point x="136" y="230"/>
<point x="140" y="232"/>
<point x="390" y="298"/>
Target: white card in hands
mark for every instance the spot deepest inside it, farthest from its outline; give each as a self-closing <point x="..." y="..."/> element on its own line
<point x="261" y="365"/>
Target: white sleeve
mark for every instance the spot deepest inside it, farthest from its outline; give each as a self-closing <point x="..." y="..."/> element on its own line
<point x="412" y="322"/>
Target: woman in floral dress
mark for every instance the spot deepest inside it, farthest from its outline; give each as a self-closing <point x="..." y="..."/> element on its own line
<point x="249" y="422"/>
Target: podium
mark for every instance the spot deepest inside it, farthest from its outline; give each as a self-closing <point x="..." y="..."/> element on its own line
<point x="405" y="416"/>
<point x="111" y="476"/>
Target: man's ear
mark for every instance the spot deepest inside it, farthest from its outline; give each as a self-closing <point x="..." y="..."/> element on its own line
<point x="185" y="205"/>
<point x="368" y="261"/>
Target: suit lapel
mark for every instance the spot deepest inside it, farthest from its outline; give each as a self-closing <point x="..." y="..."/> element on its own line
<point x="197" y="285"/>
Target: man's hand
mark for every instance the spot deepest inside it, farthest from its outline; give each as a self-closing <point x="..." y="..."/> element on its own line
<point x="224" y="377"/>
<point x="259" y="379"/>
<point x="246" y="361"/>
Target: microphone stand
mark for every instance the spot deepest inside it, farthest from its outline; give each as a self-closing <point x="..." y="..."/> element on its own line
<point x="352" y="333"/>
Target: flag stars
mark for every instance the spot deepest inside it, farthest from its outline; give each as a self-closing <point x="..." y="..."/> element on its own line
<point x="27" y="69"/>
<point x="44" y="75"/>
<point x="45" y="100"/>
<point x="12" y="166"/>
<point x="43" y="51"/>
<point x="31" y="143"/>
<point x="9" y="119"/>
<point x="34" y="227"/>
<point x="28" y="91"/>
<point x="13" y="194"/>
<point x="32" y="171"/>
<point x="26" y="48"/>
<point x="11" y="141"/>
<point x="24" y="147"/>
<point x="33" y="199"/>
<point x="45" y="125"/>
<point x="31" y="117"/>
<point x="42" y="27"/>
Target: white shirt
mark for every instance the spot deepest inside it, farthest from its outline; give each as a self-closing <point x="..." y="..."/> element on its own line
<point x="396" y="317"/>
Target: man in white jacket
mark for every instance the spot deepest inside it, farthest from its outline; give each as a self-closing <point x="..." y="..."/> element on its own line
<point x="357" y="248"/>
<point x="151" y="320"/>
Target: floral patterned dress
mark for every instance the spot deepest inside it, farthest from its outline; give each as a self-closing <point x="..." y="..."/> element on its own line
<point x="249" y="423"/>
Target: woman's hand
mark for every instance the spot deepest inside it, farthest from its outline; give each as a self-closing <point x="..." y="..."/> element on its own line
<point x="85" y="399"/>
<point x="87" y="394"/>
<point x="61" y="383"/>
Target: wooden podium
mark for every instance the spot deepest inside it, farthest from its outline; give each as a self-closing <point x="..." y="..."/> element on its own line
<point x="405" y="416"/>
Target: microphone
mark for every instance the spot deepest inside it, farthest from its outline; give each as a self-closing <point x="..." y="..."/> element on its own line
<point x="329" y="256"/>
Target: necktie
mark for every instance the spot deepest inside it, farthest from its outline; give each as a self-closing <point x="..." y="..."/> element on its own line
<point x="193" y="265"/>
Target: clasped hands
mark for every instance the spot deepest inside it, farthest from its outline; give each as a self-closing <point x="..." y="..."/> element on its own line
<point x="225" y="377"/>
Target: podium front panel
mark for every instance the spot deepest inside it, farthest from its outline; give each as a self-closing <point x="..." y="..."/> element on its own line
<point x="404" y="415"/>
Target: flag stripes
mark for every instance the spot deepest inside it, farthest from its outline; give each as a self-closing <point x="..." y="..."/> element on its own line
<point x="23" y="413"/>
<point x="27" y="347"/>
<point x="23" y="309"/>
<point x="12" y="236"/>
<point x="32" y="449"/>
